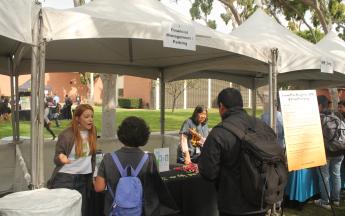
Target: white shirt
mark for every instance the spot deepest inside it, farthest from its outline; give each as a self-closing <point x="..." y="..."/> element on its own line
<point x="81" y="165"/>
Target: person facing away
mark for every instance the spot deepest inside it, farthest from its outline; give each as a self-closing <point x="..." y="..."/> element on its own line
<point x="192" y="134"/>
<point x="331" y="171"/>
<point x="56" y="99"/>
<point x="47" y="122"/>
<point x="219" y="159"/>
<point x="75" y="155"/>
<point x="67" y="113"/>
<point x="133" y="133"/>
<point x="265" y="117"/>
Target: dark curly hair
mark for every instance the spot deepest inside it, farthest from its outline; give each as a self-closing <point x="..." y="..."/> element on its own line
<point x="133" y="132"/>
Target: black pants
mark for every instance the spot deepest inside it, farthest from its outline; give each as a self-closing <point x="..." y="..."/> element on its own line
<point x="47" y="126"/>
<point x="78" y="182"/>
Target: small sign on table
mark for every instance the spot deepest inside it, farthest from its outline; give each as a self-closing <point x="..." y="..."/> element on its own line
<point x="162" y="157"/>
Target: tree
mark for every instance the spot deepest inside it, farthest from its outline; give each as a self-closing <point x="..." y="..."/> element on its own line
<point x="88" y="79"/>
<point x="109" y="100"/>
<point x="176" y="88"/>
<point x="109" y="105"/>
<point x="201" y="9"/>
<point x="325" y="14"/>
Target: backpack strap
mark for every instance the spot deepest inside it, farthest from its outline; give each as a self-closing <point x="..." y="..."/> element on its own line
<point x="140" y="165"/>
<point x="117" y="162"/>
<point x="236" y="130"/>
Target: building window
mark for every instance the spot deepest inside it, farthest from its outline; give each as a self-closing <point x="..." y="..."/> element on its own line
<point x="120" y="92"/>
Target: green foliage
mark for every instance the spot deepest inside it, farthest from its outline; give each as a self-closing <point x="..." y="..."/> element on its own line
<point x="85" y="77"/>
<point x="226" y="17"/>
<point x="201" y="9"/>
<point x="130" y="103"/>
<point x="308" y="35"/>
<point x="212" y="24"/>
<point x="247" y="8"/>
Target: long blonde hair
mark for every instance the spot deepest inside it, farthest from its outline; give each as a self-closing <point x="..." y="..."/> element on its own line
<point x="76" y="131"/>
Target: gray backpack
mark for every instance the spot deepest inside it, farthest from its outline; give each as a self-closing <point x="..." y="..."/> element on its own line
<point x="333" y="129"/>
<point x="263" y="167"/>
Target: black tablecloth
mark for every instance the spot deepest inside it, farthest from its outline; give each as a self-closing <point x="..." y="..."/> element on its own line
<point x="24" y="115"/>
<point x="193" y="195"/>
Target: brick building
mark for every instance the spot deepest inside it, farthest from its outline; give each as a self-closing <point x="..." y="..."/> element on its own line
<point x="135" y="87"/>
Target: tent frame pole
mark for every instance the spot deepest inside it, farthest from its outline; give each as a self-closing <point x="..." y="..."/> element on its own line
<point x="162" y="104"/>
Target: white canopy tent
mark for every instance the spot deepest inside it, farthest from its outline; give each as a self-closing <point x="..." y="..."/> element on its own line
<point x="335" y="46"/>
<point x="299" y="60"/>
<point x="16" y="18"/>
<point x="126" y="37"/>
<point x="15" y="30"/>
<point x="122" y="37"/>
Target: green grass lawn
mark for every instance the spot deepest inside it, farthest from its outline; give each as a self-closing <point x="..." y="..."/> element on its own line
<point x="173" y="120"/>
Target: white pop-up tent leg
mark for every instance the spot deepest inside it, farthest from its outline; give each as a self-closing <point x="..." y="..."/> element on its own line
<point x="273" y="88"/>
<point x="162" y="104"/>
<point x="37" y="105"/>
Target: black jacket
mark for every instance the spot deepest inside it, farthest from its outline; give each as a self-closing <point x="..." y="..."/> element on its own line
<point x="219" y="162"/>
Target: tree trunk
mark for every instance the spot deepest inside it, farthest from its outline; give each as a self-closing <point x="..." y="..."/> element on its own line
<point x="109" y="105"/>
<point x="91" y="90"/>
<point x="173" y="104"/>
<point x="335" y="98"/>
<point x="230" y="5"/>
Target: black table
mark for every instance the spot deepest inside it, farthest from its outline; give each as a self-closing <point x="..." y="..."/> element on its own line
<point x="24" y="115"/>
<point x="193" y="195"/>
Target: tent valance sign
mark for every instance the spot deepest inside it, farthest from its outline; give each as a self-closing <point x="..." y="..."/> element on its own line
<point x="326" y="65"/>
<point x="179" y="36"/>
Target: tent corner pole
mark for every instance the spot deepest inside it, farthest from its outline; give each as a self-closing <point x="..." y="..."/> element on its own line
<point x="162" y="104"/>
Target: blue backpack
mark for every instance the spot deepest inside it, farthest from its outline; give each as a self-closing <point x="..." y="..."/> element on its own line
<point x="128" y="198"/>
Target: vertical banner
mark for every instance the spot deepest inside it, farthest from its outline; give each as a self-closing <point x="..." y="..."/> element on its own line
<point x="302" y="129"/>
<point x="162" y="157"/>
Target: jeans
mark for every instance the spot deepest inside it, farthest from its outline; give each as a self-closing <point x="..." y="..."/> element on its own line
<point x="331" y="171"/>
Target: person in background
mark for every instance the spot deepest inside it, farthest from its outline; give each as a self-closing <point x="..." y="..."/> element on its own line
<point x="47" y="122"/>
<point x="329" y="176"/>
<point x="68" y="103"/>
<point x="56" y="99"/>
<point x="341" y="108"/>
<point x="78" y="99"/>
<point x="67" y="108"/>
<point x="193" y="133"/>
<point x="134" y="133"/>
<point x="219" y="161"/>
<point x="279" y="124"/>
<point x="75" y="155"/>
<point x="5" y="110"/>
